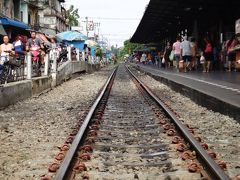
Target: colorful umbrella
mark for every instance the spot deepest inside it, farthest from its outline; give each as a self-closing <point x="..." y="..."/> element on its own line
<point x="71" y="36"/>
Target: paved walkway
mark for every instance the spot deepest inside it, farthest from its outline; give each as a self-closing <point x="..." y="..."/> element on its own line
<point x="224" y="86"/>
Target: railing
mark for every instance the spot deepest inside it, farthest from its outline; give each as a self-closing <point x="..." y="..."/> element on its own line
<point x="12" y="69"/>
<point x="52" y="60"/>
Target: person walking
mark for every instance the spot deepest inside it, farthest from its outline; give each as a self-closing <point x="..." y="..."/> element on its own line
<point x="208" y="54"/>
<point x="177" y="51"/>
<point x="186" y="53"/>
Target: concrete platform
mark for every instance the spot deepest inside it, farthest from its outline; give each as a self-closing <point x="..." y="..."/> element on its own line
<point x="218" y="91"/>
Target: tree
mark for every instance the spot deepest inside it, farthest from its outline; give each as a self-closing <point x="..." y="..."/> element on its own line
<point x="72" y="16"/>
<point x="130" y="47"/>
<point x="114" y="50"/>
<point x="99" y="52"/>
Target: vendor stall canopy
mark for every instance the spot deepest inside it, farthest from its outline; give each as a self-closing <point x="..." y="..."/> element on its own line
<point x="164" y="18"/>
<point x="71" y="36"/>
<point x="10" y="22"/>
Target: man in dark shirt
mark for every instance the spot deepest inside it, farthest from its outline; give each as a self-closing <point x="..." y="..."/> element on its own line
<point x="34" y="41"/>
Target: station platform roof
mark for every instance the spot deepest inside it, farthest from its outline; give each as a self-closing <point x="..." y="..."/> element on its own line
<point x="164" y="18"/>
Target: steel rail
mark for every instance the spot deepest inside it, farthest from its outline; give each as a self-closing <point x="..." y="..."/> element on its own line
<point x="63" y="170"/>
<point x="215" y="171"/>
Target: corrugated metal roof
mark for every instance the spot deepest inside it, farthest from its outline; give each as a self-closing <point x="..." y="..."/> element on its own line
<point x="164" y="18"/>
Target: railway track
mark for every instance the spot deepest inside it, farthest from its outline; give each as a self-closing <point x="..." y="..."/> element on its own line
<point x="130" y="134"/>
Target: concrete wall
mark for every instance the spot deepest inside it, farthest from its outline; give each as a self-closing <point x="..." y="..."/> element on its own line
<point x="78" y="66"/>
<point x="41" y="84"/>
<point x="13" y="92"/>
<point x="64" y="72"/>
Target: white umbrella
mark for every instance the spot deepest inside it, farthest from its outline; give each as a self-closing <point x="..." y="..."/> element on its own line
<point x="90" y="43"/>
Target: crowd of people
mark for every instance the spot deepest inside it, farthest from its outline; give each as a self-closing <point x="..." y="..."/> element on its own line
<point x="186" y="55"/>
<point x="22" y="45"/>
<point x="14" y="50"/>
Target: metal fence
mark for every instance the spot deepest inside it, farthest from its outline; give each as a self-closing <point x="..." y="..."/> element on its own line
<point x="12" y="69"/>
<point x="27" y="68"/>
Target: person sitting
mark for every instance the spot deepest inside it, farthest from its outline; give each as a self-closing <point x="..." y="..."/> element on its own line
<point x="6" y="49"/>
<point x="18" y="45"/>
<point x="19" y="48"/>
<point x="54" y="43"/>
<point x="34" y="41"/>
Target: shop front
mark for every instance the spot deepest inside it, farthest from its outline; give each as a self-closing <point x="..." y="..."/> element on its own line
<point x="12" y="28"/>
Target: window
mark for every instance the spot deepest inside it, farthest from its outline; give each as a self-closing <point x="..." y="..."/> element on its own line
<point x="29" y="18"/>
<point x="21" y="16"/>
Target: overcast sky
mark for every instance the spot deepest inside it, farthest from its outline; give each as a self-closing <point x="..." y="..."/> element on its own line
<point x="118" y="18"/>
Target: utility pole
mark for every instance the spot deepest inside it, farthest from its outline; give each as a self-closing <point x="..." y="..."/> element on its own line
<point x="87" y="25"/>
<point x="96" y="25"/>
<point x="99" y="28"/>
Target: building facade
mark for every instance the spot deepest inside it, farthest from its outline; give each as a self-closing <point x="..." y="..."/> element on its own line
<point x="29" y="14"/>
<point x="47" y="16"/>
<point x="52" y="16"/>
<point x="10" y="9"/>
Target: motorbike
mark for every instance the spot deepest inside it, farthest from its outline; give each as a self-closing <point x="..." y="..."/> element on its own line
<point x="62" y="55"/>
<point x="6" y="68"/>
<point x="35" y="52"/>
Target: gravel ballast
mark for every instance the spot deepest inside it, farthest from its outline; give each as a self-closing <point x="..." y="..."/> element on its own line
<point x="220" y="132"/>
<point x="32" y="131"/>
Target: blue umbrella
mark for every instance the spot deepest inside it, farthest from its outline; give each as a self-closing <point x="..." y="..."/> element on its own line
<point x="77" y="44"/>
<point x="71" y="36"/>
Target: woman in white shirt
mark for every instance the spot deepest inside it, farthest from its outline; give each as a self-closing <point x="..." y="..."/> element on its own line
<point x="6" y="49"/>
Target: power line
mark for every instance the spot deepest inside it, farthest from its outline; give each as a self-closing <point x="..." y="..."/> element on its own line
<point x="117" y="35"/>
<point x="115" y="18"/>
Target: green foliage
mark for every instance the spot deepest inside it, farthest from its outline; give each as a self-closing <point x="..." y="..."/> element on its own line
<point x="72" y="16"/>
<point x="115" y="50"/>
<point x="99" y="52"/>
<point x="130" y="47"/>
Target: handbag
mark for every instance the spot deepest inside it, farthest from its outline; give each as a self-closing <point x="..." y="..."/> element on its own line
<point x="163" y="60"/>
<point x="181" y="64"/>
<point x="202" y="59"/>
<point x="171" y="56"/>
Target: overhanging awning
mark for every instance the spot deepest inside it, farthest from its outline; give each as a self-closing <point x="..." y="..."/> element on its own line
<point x="10" y="22"/>
<point x="166" y="18"/>
<point x="2" y="30"/>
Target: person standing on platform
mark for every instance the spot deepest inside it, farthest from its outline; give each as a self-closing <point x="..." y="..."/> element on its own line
<point x="159" y="59"/>
<point x="193" y="53"/>
<point x="149" y="59"/>
<point x="186" y="53"/>
<point x="143" y="58"/>
<point x="166" y="55"/>
<point x="177" y="51"/>
<point x="208" y="54"/>
<point x="230" y="53"/>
